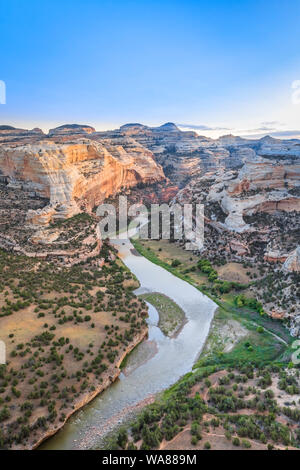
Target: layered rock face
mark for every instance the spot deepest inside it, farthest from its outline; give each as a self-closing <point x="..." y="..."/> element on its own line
<point x="261" y="173"/>
<point x="167" y="137"/>
<point x="75" y="166"/>
<point x="76" y="175"/>
<point x="266" y="163"/>
<point x="9" y="134"/>
<point x="292" y="262"/>
<point x="260" y="186"/>
<point x="71" y="129"/>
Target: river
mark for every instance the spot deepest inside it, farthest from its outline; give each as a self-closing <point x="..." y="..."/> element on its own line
<point x="171" y="358"/>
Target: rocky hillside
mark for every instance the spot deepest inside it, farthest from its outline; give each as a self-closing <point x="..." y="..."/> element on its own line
<point x="76" y="168"/>
<point x="72" y="171"/>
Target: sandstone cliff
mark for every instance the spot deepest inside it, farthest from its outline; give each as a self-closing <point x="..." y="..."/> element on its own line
<point x="76" y="167"/>
<point x="76" y="175"/>
<point x="260" y="186"/>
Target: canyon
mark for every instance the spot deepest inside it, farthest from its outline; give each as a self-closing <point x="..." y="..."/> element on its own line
<point x="250" y="188"/>
<point x="76" y="168"/>
<point x="57" y="269"/>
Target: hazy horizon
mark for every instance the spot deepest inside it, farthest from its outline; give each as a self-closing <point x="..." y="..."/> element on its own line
<point x="276" y="135"/>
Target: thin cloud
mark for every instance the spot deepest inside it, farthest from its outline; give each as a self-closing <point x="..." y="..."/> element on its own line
<point x="285" y="133"/>
<point x="202" y="127"/>
<point x="261" y="129"/>
<point x="272" y="123"/>
<point x="279" y="134"/>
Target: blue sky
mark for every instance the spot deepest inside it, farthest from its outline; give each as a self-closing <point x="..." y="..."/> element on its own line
<point x="218" y="66"/>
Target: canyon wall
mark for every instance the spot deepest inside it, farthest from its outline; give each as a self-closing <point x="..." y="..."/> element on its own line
<point x="76" y="168"/>
<point x="76" y="175"/>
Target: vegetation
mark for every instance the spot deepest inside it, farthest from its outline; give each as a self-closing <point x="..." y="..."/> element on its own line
<point x="171" y="316"/>
<point x="199" y="406"/>
<point x="201" y="275"/>
<point x="231" y="392"/>
<point x="65" y="329"/>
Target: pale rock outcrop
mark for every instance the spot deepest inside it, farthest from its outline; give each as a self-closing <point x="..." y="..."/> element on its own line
<point x="265" y="174"/>
<point x="238" y="247"/>
<point x="77" y="167"/>
<point x="161" y="138"/>
<point x="279" y="148"/>
<point x="260" y="185"/>
<point x="292" y="262"/>
<point x="71" y="129"/>
<point x="275" y="256"/>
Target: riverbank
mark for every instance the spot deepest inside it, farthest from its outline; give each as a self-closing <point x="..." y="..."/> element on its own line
<point x="175" y="357"/>
<point x="199" y="280"/>
<point x="236" y="338"/>
<point x="65" y="331"/>
<point x="239" y="361"/>
<point x="110" y="377"/>
<point x="151" y="256"/>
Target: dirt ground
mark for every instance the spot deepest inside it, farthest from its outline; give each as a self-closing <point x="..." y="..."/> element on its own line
<point x="225" y="335"/>
<point x="216" y="439"/>
<point x="234" y="272"/>
<point x="216" y="435"/>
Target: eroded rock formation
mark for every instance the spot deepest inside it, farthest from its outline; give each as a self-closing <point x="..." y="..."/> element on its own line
<point x="292" y="262"/>
<point x="76" y="175"/>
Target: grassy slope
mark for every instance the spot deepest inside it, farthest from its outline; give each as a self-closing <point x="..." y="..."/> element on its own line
<point x="258" y="347"/>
